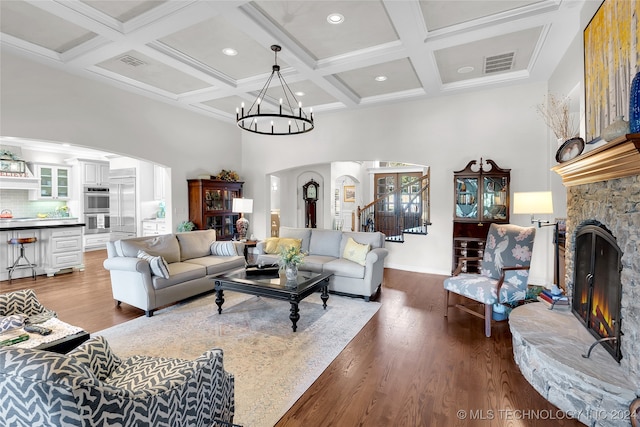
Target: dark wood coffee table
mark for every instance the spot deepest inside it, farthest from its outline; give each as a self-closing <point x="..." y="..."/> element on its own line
<point x="65" y="344"/>
<point x="272" y="286"/>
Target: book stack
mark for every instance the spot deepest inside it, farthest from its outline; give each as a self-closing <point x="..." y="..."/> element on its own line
<point x="552" y="300"/>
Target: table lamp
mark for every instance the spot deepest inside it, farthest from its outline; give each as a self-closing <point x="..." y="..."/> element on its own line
<point x="539" y="202"/>
<point x="242" y="206"/>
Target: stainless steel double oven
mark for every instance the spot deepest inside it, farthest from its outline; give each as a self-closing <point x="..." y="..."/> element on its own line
<point x="96" y="209"/>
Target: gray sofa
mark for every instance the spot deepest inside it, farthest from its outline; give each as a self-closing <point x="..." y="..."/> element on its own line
<point x="324" y="250"/>
<point x="192" y="258"/>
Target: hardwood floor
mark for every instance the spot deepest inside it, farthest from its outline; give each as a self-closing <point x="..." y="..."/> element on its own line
<point x="409" y="366"/>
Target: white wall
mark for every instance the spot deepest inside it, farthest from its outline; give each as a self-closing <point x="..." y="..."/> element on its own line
<point x="41" y="102"/>
<point x="445" y="134"/>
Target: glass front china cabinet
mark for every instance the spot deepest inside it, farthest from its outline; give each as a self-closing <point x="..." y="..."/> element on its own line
<point x="210" y="205"/>
<point x="481" y="197"/>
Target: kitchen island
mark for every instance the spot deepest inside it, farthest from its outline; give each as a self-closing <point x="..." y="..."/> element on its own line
<point x="58" y="246"/>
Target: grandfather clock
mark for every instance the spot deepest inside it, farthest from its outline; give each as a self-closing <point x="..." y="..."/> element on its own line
<point x="310" y="196"/>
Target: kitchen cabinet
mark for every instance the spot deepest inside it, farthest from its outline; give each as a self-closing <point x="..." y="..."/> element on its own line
<point x="96" y="241"/>
<point x="153" y="227"/>
<point x="210" y="203"/>
<point x="63" y="249"/>
<point x="56" y="249"/>
<point x="94" y="172"/>
<point x="159" y="174"/>
<point x="54" y="182"/>
<point x="481" y="197"/>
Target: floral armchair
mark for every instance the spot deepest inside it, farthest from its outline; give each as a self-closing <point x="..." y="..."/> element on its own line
<point x="92" y="386"/>
<point x="504" y="272"/>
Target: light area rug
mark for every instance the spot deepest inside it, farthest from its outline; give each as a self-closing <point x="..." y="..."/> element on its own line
<point x="272" y="365"/>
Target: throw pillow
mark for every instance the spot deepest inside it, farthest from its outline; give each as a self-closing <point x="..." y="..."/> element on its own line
<point x="271" y="245"/>
<point x="223" y="249"/>
<point x="12" y="322"/>
<point x="356" y="252"/>
<point x="285" y="243"/>
<point x="159" y="266"/>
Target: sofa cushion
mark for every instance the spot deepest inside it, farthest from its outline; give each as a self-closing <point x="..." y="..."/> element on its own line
<point x="273" y="245"/>
<point x="218" y="264"/>
<point x="157" y="264"/>
<point x="325" y="242"/>
<point x="303" y="234"/>
<point x="223" y="249"/>
<point x="315" y="263"/>
<point x="195" y="244"/>
<point x="179" y="272"/>
<point x="345" y="268"/>
<point x="356" y="252"/>
<point x="164" y="245"/>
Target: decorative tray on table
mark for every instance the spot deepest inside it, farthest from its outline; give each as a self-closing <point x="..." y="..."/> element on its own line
<point x="262" y="270"/>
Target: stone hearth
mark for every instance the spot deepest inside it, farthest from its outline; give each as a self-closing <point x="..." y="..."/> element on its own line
<point x="602" y="185"/>
<point x="548" y="346"/>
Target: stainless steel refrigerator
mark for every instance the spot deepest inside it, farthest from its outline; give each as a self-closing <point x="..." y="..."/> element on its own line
<point x="122" y="203"/>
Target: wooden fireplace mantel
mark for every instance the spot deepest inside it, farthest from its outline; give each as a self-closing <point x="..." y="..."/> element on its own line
<point x="615" y="159"/>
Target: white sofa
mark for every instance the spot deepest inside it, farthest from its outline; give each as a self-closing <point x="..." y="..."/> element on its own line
<point x="192" y="258"/>
<point x="324" y="251"/>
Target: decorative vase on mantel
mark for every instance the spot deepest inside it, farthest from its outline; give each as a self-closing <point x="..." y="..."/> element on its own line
<point x="634" y="105"/>
<point x="616" y="129"/>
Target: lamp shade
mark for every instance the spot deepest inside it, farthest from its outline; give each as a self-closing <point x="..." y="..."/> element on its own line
<point x="535" y="202"/>
<point x="242" y="205"/>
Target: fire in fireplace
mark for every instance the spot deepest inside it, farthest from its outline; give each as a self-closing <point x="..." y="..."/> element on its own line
<point x="597" y="285"/>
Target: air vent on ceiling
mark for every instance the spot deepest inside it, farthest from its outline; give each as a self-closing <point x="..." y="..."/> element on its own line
<point x="498" y="63"/>
<point x="130" y="60"/>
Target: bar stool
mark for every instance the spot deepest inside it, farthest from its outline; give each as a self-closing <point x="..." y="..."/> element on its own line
<point x="16" y="265"/>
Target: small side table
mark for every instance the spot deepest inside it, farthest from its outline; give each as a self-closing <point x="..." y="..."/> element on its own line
<point x="249" y="244"/>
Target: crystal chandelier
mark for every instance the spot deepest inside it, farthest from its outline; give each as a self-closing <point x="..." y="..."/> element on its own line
<point x="287" y="119"/>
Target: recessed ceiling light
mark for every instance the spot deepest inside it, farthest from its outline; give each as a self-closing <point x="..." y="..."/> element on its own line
<point x="229" y="51"/>
<point x="465" y="70"/>
<point x="299" y="93"/>
<point x="381" y="78"/>
<point x="335" y="18"/>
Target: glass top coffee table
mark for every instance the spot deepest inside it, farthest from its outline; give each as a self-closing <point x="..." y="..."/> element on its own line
<point x="274" y="286"/>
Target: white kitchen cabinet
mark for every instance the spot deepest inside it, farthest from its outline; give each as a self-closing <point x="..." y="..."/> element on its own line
<point x="10" y="253"/>
<point x="96" y="241"/>
<point x="94" y="172"/>
<point x="63" y="249"/>
<point x="153" y="227"/>
<point x="55" y="182"/>
<point x="159" y="175"/>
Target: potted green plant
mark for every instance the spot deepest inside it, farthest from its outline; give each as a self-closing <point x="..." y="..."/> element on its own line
<point x="186" y="226"/>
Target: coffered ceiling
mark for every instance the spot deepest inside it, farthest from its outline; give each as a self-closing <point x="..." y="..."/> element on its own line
<point x="383" y="51"/>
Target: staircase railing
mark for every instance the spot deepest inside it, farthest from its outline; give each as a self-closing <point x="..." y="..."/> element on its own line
<point x="395" y="216"/>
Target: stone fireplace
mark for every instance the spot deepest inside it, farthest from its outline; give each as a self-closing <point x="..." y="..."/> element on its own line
<point x="603" y="194"/>
<point x="615" y="203"/>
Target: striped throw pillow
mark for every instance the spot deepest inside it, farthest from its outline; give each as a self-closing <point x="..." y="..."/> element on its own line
<point x="158" y="264"/>
<point x="223" y="249"/>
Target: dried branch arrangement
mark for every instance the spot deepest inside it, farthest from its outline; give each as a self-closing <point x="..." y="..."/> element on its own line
<point x="557" y="116"/>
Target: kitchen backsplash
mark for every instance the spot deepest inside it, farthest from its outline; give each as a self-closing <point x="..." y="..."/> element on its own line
<point x="21" y="207"/>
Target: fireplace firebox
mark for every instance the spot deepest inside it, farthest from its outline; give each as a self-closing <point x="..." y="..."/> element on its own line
<point x="597" y="285"/>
